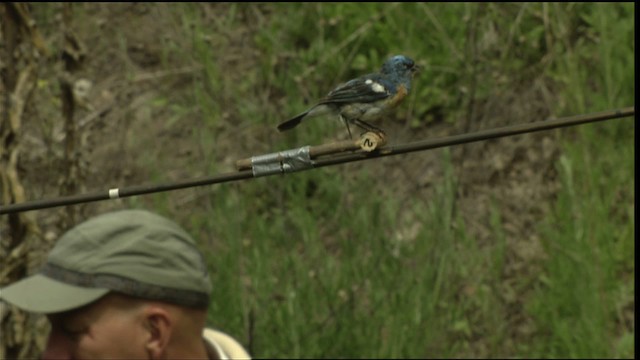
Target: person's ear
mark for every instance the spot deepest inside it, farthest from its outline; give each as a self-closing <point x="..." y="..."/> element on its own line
<point x="158" y="323"/>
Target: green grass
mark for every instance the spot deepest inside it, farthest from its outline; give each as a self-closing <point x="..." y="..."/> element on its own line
<point x="590" y="235"/>
<point x="321" y="264"/>
<point x="331" y="280"/>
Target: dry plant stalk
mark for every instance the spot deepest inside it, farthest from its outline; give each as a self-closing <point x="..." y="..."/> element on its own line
<point x="21" y="334"/>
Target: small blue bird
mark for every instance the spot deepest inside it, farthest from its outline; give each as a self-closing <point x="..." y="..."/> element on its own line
<point x="366" y="98"/>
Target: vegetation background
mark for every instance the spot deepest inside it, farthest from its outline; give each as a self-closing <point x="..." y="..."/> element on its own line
<point x="518" y="247"/>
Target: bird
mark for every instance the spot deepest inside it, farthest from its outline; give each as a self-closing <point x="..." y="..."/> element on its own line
<point x="366" y="98"/>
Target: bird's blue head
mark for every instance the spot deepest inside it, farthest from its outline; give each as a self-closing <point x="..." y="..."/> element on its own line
<point x="399" y="65"/>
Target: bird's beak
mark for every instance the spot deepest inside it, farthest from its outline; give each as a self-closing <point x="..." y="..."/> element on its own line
<point x="415" y="69"/>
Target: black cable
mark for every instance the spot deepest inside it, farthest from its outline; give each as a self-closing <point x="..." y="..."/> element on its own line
<point x="321" y="162"/>
<point x="479" y="136"/>
<point x="124" y="192"/>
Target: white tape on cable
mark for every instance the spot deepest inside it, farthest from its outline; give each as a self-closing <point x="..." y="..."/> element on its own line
<point x="114" y="193"/>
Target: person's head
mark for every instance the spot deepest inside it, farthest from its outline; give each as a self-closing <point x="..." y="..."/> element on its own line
<point x="127" y="284"/>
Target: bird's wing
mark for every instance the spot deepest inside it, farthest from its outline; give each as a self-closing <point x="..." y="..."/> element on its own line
<point x="368" y="88"/>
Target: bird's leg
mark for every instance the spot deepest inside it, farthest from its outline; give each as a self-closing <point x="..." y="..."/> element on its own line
<point x="368" y="127"/>
<point x="346" y="123"/>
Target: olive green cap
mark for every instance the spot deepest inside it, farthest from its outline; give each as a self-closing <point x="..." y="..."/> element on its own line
<point x="133" y="252"/>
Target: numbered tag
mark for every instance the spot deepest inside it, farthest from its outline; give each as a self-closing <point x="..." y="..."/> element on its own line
<point x="370" y="141"/>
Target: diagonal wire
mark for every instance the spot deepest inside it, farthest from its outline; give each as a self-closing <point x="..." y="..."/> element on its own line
<point x="328" y="161"/>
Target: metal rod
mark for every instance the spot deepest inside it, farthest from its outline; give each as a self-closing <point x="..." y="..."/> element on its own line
<point x="321" y="162"/>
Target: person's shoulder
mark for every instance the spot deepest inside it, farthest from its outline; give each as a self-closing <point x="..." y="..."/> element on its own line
<point x="226" y="346"/>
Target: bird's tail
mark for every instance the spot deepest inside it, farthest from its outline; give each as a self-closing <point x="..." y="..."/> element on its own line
<point x="291" y="123"/>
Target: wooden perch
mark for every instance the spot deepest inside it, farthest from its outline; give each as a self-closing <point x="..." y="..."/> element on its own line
<point x="368" y="142"/>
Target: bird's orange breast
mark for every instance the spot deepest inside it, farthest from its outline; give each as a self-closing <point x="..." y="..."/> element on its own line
<point x="401" y="93"/>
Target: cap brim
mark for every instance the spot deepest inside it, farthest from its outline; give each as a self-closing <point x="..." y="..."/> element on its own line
<point x="42" y="294"/>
